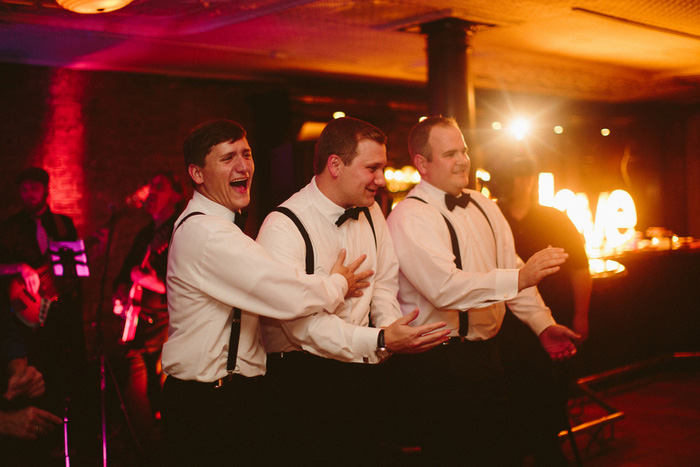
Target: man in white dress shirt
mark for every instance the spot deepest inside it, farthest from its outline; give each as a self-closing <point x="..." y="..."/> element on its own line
<point x="458" y="264"/>
<point x="218" y="282"/>
<point x="324" y="400"/>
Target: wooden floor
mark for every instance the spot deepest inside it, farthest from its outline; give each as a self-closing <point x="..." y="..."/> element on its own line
<point x="661" y="423"/>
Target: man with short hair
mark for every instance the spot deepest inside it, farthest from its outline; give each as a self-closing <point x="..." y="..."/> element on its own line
<point x="140" y="299"/>
<point x="538" y="387"/>
<point x="218" y="282"/>
<point x="458" y="264"/>
<point x="317" y="379"/>
<point x="55" y="341"/>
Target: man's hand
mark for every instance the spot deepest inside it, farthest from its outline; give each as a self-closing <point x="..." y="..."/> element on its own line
<point x="30" y="278"/>
<point x="28" y="423"/>
<point x="540" y="265"/>
<point x="356" y="282"/>
<point x="399" y="337"/>
<point x="24" y="380"/>
<point x="148" y="279"/>
<point x="580" y="326"/>
<point x="556" y="340"/>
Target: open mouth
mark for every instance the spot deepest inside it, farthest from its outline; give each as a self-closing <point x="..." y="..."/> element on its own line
<point x="241" y="183"/>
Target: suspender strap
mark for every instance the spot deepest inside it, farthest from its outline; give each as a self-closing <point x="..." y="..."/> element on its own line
<point x="489" y="221"/>
<point x="195" y="213"/>
<point x="371" y="224"/>
<point x="463" y="315"/>
<point x="307" y="240"/>
<point x="235" y="322"/>
<point x="453" y="235"/>
<point x="305" y="235"/>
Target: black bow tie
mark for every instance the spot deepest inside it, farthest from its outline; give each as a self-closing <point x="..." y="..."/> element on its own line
<point x="452" y="201"/>
<point x="351" y="213"/>
<point x="240" y="218"/>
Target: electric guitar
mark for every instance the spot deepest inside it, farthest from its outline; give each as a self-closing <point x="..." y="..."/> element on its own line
<point x="131" y="309"/>
<point x="32" y="309"/>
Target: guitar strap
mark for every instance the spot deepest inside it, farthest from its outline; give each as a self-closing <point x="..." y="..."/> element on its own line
<point x="61" y="228"/>
<point x="235" y="322"/>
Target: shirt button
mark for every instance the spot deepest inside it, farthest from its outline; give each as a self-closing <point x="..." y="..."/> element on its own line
<point x="505" y="296"/>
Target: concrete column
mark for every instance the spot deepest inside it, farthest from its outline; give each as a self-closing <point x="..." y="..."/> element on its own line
<point x="450" y="77"/>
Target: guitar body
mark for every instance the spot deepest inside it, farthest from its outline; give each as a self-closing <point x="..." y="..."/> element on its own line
<point x="32" y="309"/>
<point x="132" y="311"/>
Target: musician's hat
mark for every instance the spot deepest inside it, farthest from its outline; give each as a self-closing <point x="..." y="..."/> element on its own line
<point x="34" y="173"/>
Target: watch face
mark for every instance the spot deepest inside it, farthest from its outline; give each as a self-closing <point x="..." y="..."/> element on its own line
<point x="383" y="352"/>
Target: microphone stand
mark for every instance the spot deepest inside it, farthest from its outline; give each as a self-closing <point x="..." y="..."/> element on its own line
<point x="100" y="333"/>
<point x="134" y="200"/>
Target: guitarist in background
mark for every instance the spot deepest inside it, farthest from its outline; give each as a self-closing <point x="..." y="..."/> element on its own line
<point x="56" y="347"/>
<point x="141" y="285"/>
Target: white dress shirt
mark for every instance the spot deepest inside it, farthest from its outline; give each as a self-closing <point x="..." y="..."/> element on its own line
<point x="343" y="335"/>
<point x="429" y="279"/>
<point x="212" y="267"/>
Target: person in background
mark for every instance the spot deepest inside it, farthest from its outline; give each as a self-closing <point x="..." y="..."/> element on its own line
<point x="458" y="264"/>
<point x="20" y="422"/>
<point x="538" y="387"/>
<point x="141" y="285"/>
<point x="54" y="340"/>
<point x="218" y="282"/>
<point x="319" y="388"/>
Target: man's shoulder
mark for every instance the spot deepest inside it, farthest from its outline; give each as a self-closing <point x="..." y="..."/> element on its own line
<point x="16" y="218"/>
<point x="299" y="201"/>
<point x="414" y="202"/>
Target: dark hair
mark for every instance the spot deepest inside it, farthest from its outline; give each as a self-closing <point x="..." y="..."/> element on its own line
<point x="420" y="133"/>
<point x="177" y="184"/>
<point x="341" y="137"/>
<point x="205" y="136"/>
<point x="34" y="173"/>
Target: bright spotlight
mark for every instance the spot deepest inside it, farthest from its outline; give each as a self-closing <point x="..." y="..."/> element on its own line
<point x="519" y="128"/>
<point x="496" y="126"/>
<point x="339" y="114"/>
<point x="605" y="132"/>
<point x="422" y="118"/>
<point x="558" y="129"/>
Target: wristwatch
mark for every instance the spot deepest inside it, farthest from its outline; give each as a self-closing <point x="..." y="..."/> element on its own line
<point x="382" y="352"/>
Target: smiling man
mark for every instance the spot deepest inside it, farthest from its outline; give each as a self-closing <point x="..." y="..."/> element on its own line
<point x="325" y="400"/>
<point x="458" y="264"/>
<point x="218" y="282"/>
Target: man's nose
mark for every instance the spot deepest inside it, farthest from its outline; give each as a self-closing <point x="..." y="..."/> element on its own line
<point x="243" y="165"/>
<point x="379" y="179"/>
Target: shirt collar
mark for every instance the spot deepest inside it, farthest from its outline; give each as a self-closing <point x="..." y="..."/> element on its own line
<point x="433" y="192"/>
<point x="202" y="203"/>
<point x="325" y="206"/>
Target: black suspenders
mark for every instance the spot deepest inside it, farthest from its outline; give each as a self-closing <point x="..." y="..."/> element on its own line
<point x="235" y="322"/>
<point x="463" y="315"/>
<point x="307" y="240"/>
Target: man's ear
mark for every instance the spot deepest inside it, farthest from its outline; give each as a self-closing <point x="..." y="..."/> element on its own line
<point x="420" y="162"/>
<point x="333" y="165"/>
<point x="195" y="173"/>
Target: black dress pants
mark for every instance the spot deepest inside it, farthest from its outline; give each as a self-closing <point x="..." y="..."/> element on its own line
<point x="455" y="403"/>
<point x="205" y="425"/>
<point x="321" y="412"/>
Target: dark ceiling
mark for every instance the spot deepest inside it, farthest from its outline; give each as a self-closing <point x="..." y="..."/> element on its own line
<point x="618" y="50"/>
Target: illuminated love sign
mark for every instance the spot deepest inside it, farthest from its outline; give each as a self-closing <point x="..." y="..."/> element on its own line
<point x="615" y="219"/>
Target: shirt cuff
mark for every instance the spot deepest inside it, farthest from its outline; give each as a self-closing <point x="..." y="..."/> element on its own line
<point x="540" y="321"/>
<point x="341" y="281"/>
<point x="506" y="284"/>
<point x="365" y="343"/>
